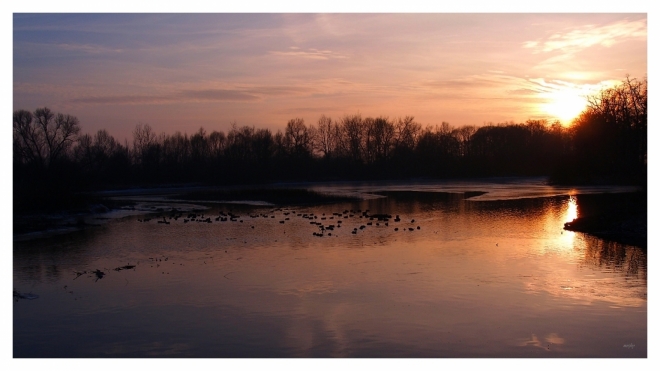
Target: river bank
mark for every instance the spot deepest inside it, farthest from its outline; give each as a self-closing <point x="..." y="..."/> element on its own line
<point x="603" y="211"/>
<point x="619" y="217"/>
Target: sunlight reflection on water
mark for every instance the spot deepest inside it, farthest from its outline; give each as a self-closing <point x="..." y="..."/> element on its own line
<point x="571" y="210"/>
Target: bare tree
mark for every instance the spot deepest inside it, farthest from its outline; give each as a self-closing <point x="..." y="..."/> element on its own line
<point x="176" y="149"/>
<point x="325" y="140"/>
<point x="94" y="153"/>
<point x="262" y="145"/>
<point x="217" y="141"/>
<point x="44" y="137"/>
<point x="339" y="140"/>
<point x="464" y="135"/>
<point x="381" y="137"/>
<point x="84" y="151"/>
<point x="199" y="146"/>
<point x="407" y="132"/>
<point x="612" y="132"/>
<point x="239" y="142"/>
<point x="368" y="139"/>
<point x="104" y="142"/>
<point x="624" y="105"/>
<point x="297" y="136"/>
<point x="143" y="138"/>
<point x="27" y="140"/>
<point x="353" y="136"/>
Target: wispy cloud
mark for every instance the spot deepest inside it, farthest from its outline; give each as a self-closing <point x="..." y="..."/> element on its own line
<point x="511" y="84"/>
<point x="540" y="85"/>
<point x="182" y="96"/>
<point x="88" y="48"/>
<point x="281" y="90"/>
<point x="308" y="110"/>
<point x="216" y="95"/>
<point x="238" y="93"/>
<point x="479" y="86"/>
<point x="591" y="35"/>
<point x="309" y="54"/>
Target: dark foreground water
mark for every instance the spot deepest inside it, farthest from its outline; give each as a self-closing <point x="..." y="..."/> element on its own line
<point x="467" y="278"/>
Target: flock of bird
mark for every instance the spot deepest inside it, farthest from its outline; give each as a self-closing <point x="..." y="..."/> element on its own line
<point x="325" y="225"/>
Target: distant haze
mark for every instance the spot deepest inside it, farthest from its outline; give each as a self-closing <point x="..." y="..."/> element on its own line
<point x="179" y="72"/>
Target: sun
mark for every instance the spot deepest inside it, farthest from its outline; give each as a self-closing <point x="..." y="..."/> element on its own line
<point x="565" y="104"/>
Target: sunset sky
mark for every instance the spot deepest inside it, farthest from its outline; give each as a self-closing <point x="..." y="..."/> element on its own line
<point x="179" y="72"/>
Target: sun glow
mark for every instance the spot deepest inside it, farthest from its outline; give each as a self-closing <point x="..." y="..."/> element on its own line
<point x="565" y="104"/>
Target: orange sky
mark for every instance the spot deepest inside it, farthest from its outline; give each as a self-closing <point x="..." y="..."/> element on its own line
<point x="177" y="72"/>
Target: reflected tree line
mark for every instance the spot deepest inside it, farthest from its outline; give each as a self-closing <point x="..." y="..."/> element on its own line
<point x="606" y="143"/>
<point x="629" y="260"/>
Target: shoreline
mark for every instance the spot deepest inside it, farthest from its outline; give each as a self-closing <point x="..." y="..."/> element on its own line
<point x="614" y="217"/>
<point x="629" y="231"/>
<point x="599" y="207"/>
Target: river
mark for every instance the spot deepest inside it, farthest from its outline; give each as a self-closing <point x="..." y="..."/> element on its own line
<point x="455" y="275"/>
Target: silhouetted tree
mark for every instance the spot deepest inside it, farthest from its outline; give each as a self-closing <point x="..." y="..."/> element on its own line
<point x="263" y="148"/>
<point x="463" y="135"/>
<point x="608" y="139"/>
<point x="351" y="138"/>
<point x="407" y="133"/>
<point x="43" y="137"/>
<point x="199" y="146"/>
<point x="144" y="139"/>
<point x="437" y="151"/>
<point x="217" y="141"/>
<point x="610" y="136"/>
<point x="238" y="143"/>
<point x="102" y="158"/>
<point x="325" y="139"/>
<point x="298" y="138"/>
<point x="44" y="174"/>
<point x="379" y="138"/>
<point x="176" y="151"/>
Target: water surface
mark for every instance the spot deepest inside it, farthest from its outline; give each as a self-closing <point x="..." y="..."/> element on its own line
<point x="480" y="277"/>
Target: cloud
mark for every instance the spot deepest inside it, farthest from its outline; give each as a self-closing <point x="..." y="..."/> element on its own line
<point x="495" y="82"/>
<point x="40" y="51"/>
<point x="281" y="90"/>
<point x="88" y="48"/>
<point x="540" y="85"/>
<point x="236" y="93"/>
<point x="121" y="99"/>
<point x="216" y="95"/>
<point x="591" y="35"/>
<point x="307" y="110"/>
<point x="182" y="96"/>
<point x="522" y="91"/>
<point x="452" y="83"/>
<point x="309" y="54"/>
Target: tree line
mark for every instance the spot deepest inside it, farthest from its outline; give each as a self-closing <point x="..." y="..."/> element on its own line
<point x="606" y="143"/>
